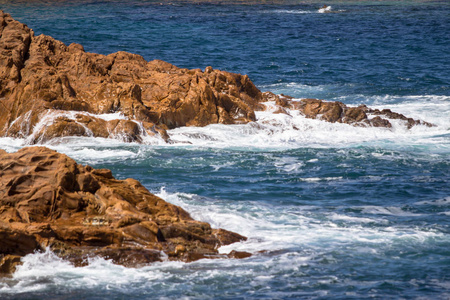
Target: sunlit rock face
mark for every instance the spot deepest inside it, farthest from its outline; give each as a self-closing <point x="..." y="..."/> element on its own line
<point x="47" y="200"/>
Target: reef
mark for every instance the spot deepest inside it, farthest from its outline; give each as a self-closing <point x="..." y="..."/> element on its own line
<point x="47" y="200"/>
<point x="50" y="90"/>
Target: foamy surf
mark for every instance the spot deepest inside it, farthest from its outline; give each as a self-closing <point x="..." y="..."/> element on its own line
<point x="293" y="130"/>
<point x="283" y="239"/>
<point x="282" y="131"/>
<point x="279" y="228"/>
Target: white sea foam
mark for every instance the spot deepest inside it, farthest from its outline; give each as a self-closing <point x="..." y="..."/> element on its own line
<point x="289" y="164"/>
<point x="217" y="167"/>
<point x="41" y="271"/>
<point x="350" y="219"/>
<point x="317" y="179"/>
<point x="292" y="241"/>
<point x="439" y="202"/>
<point x="289" y="11"/>
<point x="292" y="130"/>
<point x="392" y="210"/>
<point x="276" y="228"/>
<point x="324" y="9"/>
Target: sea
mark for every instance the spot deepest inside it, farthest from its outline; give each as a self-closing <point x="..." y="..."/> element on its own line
<point x="331" y="211"/>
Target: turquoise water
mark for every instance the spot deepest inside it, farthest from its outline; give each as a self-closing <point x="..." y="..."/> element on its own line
<point x="331" y="211"/>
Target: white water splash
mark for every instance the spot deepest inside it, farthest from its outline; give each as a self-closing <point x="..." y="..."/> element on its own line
<point x="293" y="130"/>
<point x="284" y="240"/>
<point x="276" y="228"/>
<point x="324" y="9"/>
<point x="274" y="131"/>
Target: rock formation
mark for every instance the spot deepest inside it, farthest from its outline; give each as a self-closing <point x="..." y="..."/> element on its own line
<point x="48" y="200"/>
<point x="48" y="90"/>
<point x="40" y="76"/>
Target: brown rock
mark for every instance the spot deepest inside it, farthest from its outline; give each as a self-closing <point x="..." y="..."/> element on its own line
<point x="41" y="77"/>
<point x="410" y="122"/>
<point x="9" y="263"/>
<point x="239" y="254"/>
<point x="227" y="237"/>
<point x="341" y="113"/>
<point x="48" y="200"/>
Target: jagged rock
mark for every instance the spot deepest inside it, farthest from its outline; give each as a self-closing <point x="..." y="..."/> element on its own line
<point x="40" y="76"/>
<point x="48" y="200"/>
<point x="334" y="111"/>
<point x="50" y="90"/>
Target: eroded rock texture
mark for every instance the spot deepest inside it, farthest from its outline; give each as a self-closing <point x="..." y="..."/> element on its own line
<point x="50" y="90"/>
<point x="48" y="200"/>
<point x="39" y="75"/>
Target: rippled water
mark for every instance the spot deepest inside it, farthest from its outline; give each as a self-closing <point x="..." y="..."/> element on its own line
<point x="331" y="211"/>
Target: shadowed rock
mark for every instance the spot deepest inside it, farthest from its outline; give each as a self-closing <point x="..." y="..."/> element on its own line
<point x="48" y="200"/>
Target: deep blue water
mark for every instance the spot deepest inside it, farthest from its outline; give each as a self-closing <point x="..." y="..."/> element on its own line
<point x="331" y="211"/>
<point x="374" y="49"/>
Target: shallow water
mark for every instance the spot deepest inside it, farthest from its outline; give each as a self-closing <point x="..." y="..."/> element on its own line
<point x="331" y="210"/>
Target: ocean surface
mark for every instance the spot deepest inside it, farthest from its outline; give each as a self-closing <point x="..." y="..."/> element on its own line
<point x="331" y="211"/>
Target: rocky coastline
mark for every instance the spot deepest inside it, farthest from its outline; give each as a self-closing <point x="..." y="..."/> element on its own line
<point x="47" y="200"/>
<point x="50" y="90"/>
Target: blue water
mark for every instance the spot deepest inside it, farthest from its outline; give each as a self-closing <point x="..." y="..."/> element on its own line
<point x="331" y="211"/>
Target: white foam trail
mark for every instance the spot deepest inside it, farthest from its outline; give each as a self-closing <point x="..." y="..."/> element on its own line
<point x="290" y="11"/>
<point x="317" y="179"/>
<point x="392" y="211"/>
<point x="350" y="219"/>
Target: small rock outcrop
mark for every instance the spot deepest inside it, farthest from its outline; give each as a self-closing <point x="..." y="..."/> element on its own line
<point x="47" y="200"/>
<point x="338" y="112"/>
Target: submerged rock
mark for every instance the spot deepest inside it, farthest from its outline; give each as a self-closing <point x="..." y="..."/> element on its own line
<point x="47" y="200"/>
<point x="50" y="90"/>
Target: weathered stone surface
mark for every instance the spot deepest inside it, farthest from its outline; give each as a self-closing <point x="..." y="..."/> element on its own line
<point x="40" y="76"/>
<point x="48" y="200"/>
